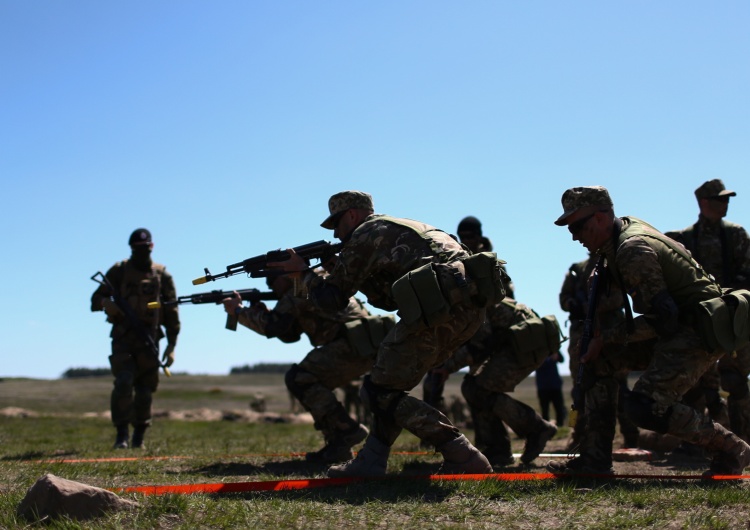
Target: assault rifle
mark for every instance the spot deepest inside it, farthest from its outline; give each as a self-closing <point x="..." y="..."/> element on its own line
<point x="215" y="297"/>
<point x="588" y="332"/>
<point x="257" y="267"/>
<point x="136" y="322"/>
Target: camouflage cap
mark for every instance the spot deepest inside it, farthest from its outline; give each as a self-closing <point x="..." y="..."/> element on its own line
<point x="713" y="188"/>
<point x="581" y="197"/>
<point x="139" y="236"/>
<point x="343" y="201"/>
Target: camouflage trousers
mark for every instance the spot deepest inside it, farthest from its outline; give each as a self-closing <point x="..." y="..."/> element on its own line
<point x="670" y="368"/>
<point x="487" y="390"/>
<point x="734" y="369"/>
<point x="404" y="357"/>
<point x="324" y="369"/>
<point x="136" y="373"/>
<point x="628" y="429"/>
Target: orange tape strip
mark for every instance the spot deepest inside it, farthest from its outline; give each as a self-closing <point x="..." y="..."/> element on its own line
<point x="288" y="485"/>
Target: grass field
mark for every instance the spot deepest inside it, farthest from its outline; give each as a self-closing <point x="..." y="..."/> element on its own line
<point x="196" y="452"/>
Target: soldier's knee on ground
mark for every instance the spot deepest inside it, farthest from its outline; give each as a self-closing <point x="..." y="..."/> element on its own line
<point x="734" y="383"/>
<point x="640" y="408"/>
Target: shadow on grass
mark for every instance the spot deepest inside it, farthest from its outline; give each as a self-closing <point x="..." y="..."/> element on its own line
<point x="37" y="455"/>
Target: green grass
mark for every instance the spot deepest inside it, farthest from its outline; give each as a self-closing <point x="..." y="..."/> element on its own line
<point x="233" y="452"/>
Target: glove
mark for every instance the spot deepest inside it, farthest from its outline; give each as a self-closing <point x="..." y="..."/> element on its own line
<point x="168" y="358"/>
<point x="110" y="308"/>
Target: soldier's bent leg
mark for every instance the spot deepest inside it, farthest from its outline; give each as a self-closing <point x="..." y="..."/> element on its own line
<point x="736" y="385"/>
<point x="526" y="423"/>
<point x="491" y="436"/>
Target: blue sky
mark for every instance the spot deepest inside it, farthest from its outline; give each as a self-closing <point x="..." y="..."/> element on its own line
<point x="224" y="127"/>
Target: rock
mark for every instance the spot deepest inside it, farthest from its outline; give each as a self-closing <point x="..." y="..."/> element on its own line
<point x="52" y="496"/>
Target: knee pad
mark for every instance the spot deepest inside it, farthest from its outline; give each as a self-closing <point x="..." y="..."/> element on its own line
<point x="124" y="382"/>
<point x="381" y="400"/>
<point x="733" y="382"/>
<point x="298" y="381"/>
<point x="640" y="408"/>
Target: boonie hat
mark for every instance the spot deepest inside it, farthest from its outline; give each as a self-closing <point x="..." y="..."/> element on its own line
<point x="345" y="200"/>
<point x="139" y="236"/>
<point x="576" y="198"/>
<point x="713" y="188"/>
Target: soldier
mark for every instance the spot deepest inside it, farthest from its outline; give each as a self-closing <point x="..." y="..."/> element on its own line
<point x="344" y="343"/>
<point x="723" y="249"/>
<point x="440" y="293"/>
<point x="135" y="366"/>
<point x="549" y="387"/>
<point x="516" y="345"/>
<point x="574" y="300"/>
<point x="666" y="286"/>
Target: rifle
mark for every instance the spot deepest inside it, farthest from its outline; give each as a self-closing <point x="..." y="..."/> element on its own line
<point x="256" y="266"/>
<point x="216" y="297"/>
<point x="588" y="332"/>
<point x="140" y="329"/>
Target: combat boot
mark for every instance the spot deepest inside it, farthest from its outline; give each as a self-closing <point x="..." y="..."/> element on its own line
<point x="339" y="448"/>
<point x="121" y="441"/>
<point x="138" y="433"/>
<point x="581" y="465"/>
<point x="732" y="454"/>
<point x="371" y="461"/>
<point x="462" y="458"/>
<point x="536" y="442"/>
<point x="499" y="459"/>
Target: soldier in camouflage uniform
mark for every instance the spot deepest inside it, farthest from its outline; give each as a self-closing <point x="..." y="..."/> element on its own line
<point x="412" y="267"/>
<point x="723" y="249"/>
<point x="497" y="368"/>
<point x="574" y="300"/>
<point x="334" y="362"/>
<point x="666" y="286"/>
<point x="134" y="366"/>
<point x="470" y="234"/>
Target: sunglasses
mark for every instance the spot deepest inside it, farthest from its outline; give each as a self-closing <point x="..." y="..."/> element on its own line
<point x="722" y="198"/>
<point x="577" y="226"/>
<point x="337" y="218"/>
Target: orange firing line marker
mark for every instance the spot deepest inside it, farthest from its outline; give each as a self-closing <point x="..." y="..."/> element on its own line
<point x="302" y="484"/>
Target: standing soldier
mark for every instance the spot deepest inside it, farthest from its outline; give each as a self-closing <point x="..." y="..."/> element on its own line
<point x="440" y="292"/>
<point x="135" y="364"/>
<point x="344" y="343"/>
<point x="574" y="300"/>
<point x="723" y="249"/>
<point x="667" y="287"/>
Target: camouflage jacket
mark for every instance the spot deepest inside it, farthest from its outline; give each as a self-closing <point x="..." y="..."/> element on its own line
<point x="380" y="251"/>
<point x="492" y="337"/>
<point x="138" y="288"/>
<point x="722" y="248"/>
<point x="574" y="296"/>
<point x="294" y="315"/>
<point x="646" y="266"/>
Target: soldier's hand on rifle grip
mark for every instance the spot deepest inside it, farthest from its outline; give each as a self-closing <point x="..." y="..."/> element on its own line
<point x="293" y="266"/>
<point x="232" y="303"/>
<point x="594" y="350"/>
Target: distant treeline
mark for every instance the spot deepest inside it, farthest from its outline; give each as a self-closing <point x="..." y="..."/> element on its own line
<point x="72" y="373"/>
<point x="261" y="368"/>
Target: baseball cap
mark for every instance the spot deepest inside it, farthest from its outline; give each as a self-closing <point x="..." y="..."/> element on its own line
<point x="139" y="236"/>
<point x="345" y="200"/>
<point x="581" y="197"/>
<point x="713" y="188"/>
